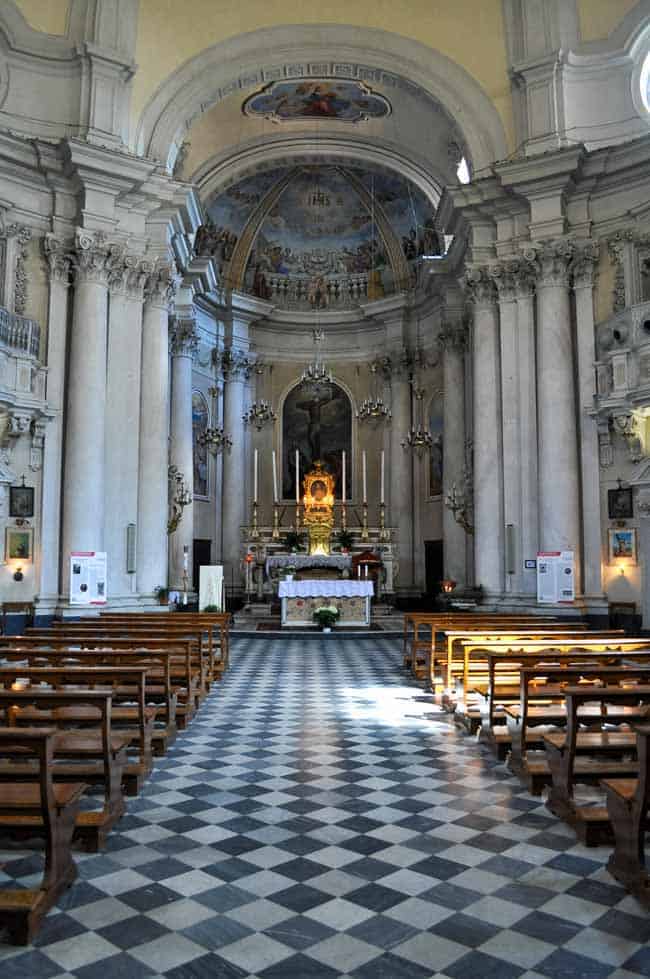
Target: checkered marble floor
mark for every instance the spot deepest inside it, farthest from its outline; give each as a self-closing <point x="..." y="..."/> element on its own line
<point x="320" y="819"/>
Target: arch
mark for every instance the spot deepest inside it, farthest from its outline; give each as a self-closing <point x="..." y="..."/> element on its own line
<point x="338" y="433"/>
<point x="270" y="53"/>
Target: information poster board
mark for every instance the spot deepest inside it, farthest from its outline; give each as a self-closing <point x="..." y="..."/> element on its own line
<point x="211" y="586"/>
<point x="555" y="577"/>
<point x="88" y="578"/>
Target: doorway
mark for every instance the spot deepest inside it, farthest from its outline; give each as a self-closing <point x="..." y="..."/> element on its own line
<point x="433" y="566"/>
<point x="202" y="555"/>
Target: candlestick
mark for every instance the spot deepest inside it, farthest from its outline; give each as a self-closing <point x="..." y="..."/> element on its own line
<point x="185" y="557"/>
<point x="254" y="534"/>
<point x="381" y="481"/>
<point x="343" y="489"/>
<point x="364" y="526"/>
<point x="275" y="478"/>
<point x="344" y="517"/>
<point x="297" y="517"/>
<point x="363" y="473"/>
<point x="383" y="533"/>
<point x="276" y="523"/>
<point x="255" y="476"/>
<point x="297" y="476"/>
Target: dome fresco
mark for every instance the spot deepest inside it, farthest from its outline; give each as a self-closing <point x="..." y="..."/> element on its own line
<point x="314" y="236"/>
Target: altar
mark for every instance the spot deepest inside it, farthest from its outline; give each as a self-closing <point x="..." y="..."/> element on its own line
<point x="301" y="598"/>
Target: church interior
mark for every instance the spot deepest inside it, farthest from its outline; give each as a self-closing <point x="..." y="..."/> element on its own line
<point x="324" y="489"/>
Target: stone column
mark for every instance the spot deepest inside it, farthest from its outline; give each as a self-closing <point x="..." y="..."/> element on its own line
<point x="126" y="284"/>
<point x="183" y="345"/>
<point x="400" y="514"/>
<point x="557" y="425"/>
<point x="58" y="260"/>
<point x="83" y="489"/>
<point x="154" y="429"/>
<point x="453" y="342"/>
<point x="583" y="268"/>
<point x="510" y="425"/>
<point x="488" y="471"/>
<point x="236" y="369"/>
<point x="526" y="361"/>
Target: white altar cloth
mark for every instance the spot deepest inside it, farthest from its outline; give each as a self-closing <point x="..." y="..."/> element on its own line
<point x="325" y="588"/>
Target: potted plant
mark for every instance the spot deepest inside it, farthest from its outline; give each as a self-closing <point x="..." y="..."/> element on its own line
<point x="162" y="594"/>
<point x="326" y="616"/>
<point x="346" y="540"/>
<point x="293" y="541"/>
<point x="211" y="608"/>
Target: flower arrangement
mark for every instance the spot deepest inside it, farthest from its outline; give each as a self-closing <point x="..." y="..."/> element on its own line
<point x="345" y="540"/>
<point x="326" y="616"/>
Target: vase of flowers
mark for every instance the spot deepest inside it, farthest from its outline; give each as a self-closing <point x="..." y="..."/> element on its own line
<point x="326" y="616"/>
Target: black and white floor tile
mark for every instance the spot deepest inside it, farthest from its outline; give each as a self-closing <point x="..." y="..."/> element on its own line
<point x="321" y="819"/>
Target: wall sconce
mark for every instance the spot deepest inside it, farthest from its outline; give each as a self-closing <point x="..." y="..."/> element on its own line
<point x="448" y="585"/>
<point x="18" y="573"/>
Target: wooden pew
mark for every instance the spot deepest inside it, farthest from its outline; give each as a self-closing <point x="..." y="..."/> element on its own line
<point x="435" y="622"/>
<point x="100" y="757"/>
<point x="159" y="690"/>
<point x="130" y="715"/>
<point x="38" y="808"/>
<point x="216" y="624"/>
<point x="628" y="801"/>
<point x="541" y="704"/>
<point x="608" y="755"/>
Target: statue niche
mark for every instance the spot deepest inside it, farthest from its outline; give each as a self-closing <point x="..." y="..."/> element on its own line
<point x="318" y="500"/>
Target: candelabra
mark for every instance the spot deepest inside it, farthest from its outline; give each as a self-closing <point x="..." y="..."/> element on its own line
<point x="215" y="440"/>
<point x="460" y="499"/>
<point x="254" y="532"/>
<point x="373" y="409"/>
<point x="384" y="534"/>
<point x="180" y="496"/>
<point x="259" y="414"/>
<point x="418" y="438"/>
<point x="316" y="375"/>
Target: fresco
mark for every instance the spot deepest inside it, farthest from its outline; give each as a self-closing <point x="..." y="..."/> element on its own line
<point x="408" y="211"/>
<point x="200" y="452"/>
<point x="317" y="422"/>
<point x="319" y="98"/>
<point x="436" y="454"/>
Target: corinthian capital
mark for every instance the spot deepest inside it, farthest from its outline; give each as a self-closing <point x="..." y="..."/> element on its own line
<point x="183" y="338"/>
<point x="234" y="363"/>
<point x="551" y="261"/>
<point x="58" y="259"/>
<point x="479" y="286"/>
<point x="161" y="284"/>
<point x="584" y="264"/>
<point x="504" y="276"/>
<point x="93" y="257"/>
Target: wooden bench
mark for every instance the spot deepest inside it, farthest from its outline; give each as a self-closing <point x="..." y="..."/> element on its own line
<point x="159" y="690"/>
<point x="129" y="715"/>
<point x="216" y="624"/>
<point x="87" y="756"/>
<point x="604" y="755"/>
<point x="627" y="806"/>
<point x="435" y="622"/>
<point x="38" y="808"/>
<point x="541" y="705"/>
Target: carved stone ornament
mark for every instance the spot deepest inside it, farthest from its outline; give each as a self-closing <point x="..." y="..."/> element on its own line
<point x="93" y="257"/>
<point x="23" y="235"/>
<point x="504" y="276"/>
<point x="616" y="245"/>
<point x="161" y="284"/>
<point x="605" y="448"/>
<point x="453" y="336"/>
<point x="479" y="286"/>
<point x="643" y="503"/>
<point x="551" y="261"/>
<point x="234" y="363"/>
<point x="584" y="264"/>
<point x="183" y="338"/>
<point x="58" y="258"/>
<point x="38" y="428"/>
<point x="624" y="424"/>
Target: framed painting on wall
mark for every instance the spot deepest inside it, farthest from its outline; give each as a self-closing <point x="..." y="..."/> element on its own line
<point x="18" y="543"/>
<point x="622" y="545"/>
<point x="619" y="504"/>
<point x="21" y="501"/>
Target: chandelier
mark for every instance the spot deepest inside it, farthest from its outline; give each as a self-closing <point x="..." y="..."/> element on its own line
<point x="418" y="438"/>
<point x="316" y="376"/>
<point x="214" y="439"/>
<point x="374" y="408"/>
<point x="259" y="414"/>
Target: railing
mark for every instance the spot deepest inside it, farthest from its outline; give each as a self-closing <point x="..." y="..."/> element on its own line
<point x="19" y="333"/>
<point x="343" y="291"/>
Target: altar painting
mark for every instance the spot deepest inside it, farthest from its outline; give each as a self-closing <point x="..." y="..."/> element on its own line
<point x="317" y="98"/>
<point x="200" y="452"/>
<point x="319" y="424"/>
<point x="436" y="453"/>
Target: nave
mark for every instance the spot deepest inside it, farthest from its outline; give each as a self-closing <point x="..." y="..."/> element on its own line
<point x="321" y="818"/>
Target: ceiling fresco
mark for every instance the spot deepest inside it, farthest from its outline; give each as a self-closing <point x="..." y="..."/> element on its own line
<point x="317" y="98"/>
<point x="330" y="235"/>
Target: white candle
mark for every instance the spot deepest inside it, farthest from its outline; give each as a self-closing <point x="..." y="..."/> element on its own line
<point x="358" y="570"/>
<point x="381" y="498"/>
<point x="255" y="477"/>
<point x="185" y="558"/>
<point x="343" y="486"/>
<point x="297" y="476"/>
<point x="275" y="478"/>
<point x="363" y="472"/>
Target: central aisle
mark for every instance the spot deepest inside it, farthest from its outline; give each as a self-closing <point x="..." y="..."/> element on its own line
<point x="321" y="819"/>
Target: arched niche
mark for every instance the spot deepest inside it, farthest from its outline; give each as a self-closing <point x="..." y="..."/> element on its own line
<point x="200" y="422"/>
<point x="319" y="427"/>
<point x="435" y="461"/>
